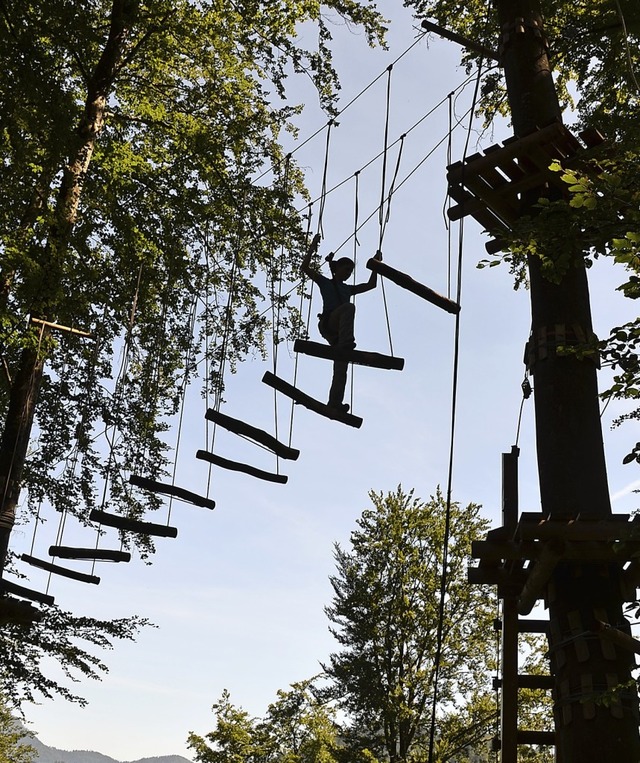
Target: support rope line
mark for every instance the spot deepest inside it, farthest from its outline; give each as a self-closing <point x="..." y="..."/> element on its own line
<point x="350" y="103"/>
<point x="356" y="244"/>
<point x="454" y="399"/>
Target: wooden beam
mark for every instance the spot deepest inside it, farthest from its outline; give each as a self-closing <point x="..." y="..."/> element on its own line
<point x="95" y="554"/>
<point x="236" y="466"/>
<point x="25" y="593"/>
<point x="539" y="575"/>
<point x="132" y="525"/>
<point x="56" y="569"/>
<point x="533" y="626"/>
<point x="313" y="405"/>
<point x="476" y="47"/>
<point x="359" y="357"/>
<point x="496" y="576"/>
<point x="616" y="636"/>
<point x="241" y="428"/>
<point x="547" y="738"/>
<point x="529" y="681"/>
<point x="59" y="327"/>
<point x="406" y="282"/>
<point x="173" y="490"/>
<point x="578" y="529"/>
<point x="605" y="551"/>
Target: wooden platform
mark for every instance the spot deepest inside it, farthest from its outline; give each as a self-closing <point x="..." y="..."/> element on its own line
<point x="406" y="282"/>
<point x="359" y="357"/>
<point x="173" y="490"/>
<point x="93" y="554"/>
<point x="258" y="435"/>
<point x="237" y="466"/>
<point x="308" y="402"/>
<point x="57" y="569"/>
<point x="132" y="525"/>
<point x="489" y="186"/>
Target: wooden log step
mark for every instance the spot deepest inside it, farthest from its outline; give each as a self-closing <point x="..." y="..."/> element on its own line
<point x="173" y="490"/>
<point x="359" y="357"/>
<point x="25" y="593"/>
<point x="97" y="554"/>
<point x="241" y="428"/>
<point x="313" y="405"/>
<point x="547" y="738"/>
<point x="132" y="525"/>
<point x="56" y="569"/>
<point x="236" y="466"/>
<point x="406" y="282"/>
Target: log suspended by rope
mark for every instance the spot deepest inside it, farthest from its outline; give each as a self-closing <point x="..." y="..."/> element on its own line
<point x="313" y="405"/>
<point x="132" y="525"/>
<point x="173" y="490"/>
<point x="236" y="466"/>
<point x="406" y="282"/>
<point x="56" y="569"/>
<point x="326" y="351"/>
<point x="94" y="554"/>
<point x="25" y="593"/>
<point x="258" y="435"/>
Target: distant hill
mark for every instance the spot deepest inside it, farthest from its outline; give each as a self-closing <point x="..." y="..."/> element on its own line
<point x="53" y="755"/>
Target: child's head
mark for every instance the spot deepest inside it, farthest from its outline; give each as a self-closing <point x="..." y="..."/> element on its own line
<point x="341" y="269"/>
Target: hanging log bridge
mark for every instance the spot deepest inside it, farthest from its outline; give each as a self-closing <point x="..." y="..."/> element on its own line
<point x="359" y="357"/>
<point x="154" y="486"/>
<point x="93" y="554"/>
<point x="308" y="402"/>
<point x="489" y="186"/>
<point x="406" y="282"/>
<point x="132" y="525"/>
<point x="18" y="611"/>
<point x="57" y="569"/>
<point x="253" y="433"/>
<point x="236" y="466"/>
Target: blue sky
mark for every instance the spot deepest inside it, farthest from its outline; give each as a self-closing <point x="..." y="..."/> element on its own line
<point x="238" y="597"/>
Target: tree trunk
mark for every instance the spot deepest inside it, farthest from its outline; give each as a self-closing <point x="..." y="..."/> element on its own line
<point x="571" y="462"/>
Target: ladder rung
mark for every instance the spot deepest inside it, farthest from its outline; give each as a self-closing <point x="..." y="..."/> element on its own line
<point x="132" y="525"/>
<point x="236" y="466"/>
<point x="406" y="282"/>
<point x="173" y="490"/>
<point x="359" y="357"/>
<point x="26" y="593"/>
<point x="241" y="428"/>
<point x="56" y="569"/>
<point x="313" y="405"/>
<point x="97" y="554"/>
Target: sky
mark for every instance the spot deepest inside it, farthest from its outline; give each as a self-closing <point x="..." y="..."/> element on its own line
<point x="238" y="597"/>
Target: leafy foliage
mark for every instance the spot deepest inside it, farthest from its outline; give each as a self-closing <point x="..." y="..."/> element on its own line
<point x="13" y="747"/>
<point x="385" y="616"/>
<point x="26" y="651"/>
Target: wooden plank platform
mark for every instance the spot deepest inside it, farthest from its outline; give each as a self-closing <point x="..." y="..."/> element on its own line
<point x="173" y="490"/>
<point x="56" y="569"/>
<point x="94" y="554"/>
<point x="406" y="282"/>
<point x="359" y="357"/>
<point x="236" y="466"/>
<point x="132" y="525"/>
<point x="26" y="593"/>
<point x="241" y="428"/>
<point x="488" y="186"/>
<point x="308" y="402"/>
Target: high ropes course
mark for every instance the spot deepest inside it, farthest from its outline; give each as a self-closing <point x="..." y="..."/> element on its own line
<point x="485" y="186"/>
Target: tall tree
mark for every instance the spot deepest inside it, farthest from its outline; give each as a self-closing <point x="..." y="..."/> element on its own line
<point x="14" y="739"/>
<point x="385" y="616"/>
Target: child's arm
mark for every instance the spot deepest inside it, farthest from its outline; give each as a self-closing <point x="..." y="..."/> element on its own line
<point x="373" y="278"/>
<point x="306" y="262"/>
